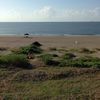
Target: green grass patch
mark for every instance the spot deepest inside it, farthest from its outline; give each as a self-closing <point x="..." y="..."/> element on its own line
<point x="84" y="62"/>
<point x="46" y="58"/>
<point x="68" y="56"/>
<point x="16" y="60"/>
<point x="33" y="48"/>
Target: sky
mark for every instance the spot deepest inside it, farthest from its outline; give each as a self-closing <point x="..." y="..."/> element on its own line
<point x="49" y="10"/>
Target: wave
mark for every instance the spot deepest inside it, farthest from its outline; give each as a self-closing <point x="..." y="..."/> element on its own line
<point x="46" y="34"/>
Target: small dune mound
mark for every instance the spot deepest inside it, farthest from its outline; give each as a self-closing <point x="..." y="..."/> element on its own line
<point x="3" y="49"/>
<point x="36" y="43"/>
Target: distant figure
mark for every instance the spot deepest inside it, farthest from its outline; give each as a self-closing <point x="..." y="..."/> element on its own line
<point x="26" y="35"/>
<point x="30" y="54"/>
<point x="75" y="43"/>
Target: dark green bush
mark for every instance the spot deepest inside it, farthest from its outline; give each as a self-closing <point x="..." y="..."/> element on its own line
<point x="68" y="56"/>
<point x="35" y="49"/>
<point x="31" y="48"/>
<point x="14" y="60"/>
<point x="63" y="63"/>
<point x="55" y="55"/>
<point x="47" y="58"/>
<point x="86" y="62"/>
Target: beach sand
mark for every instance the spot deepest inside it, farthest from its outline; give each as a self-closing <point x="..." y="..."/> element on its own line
<point x="52" y="41"/>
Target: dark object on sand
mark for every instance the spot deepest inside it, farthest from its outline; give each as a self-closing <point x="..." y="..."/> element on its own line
<point x="36" y="44"/>
<point x="26" y="35"/>
<point x="30" y="55"/>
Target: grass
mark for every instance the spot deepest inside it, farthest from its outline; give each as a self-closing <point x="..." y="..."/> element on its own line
<point x="83" y="62"/>
<point x="65" y="77"/>
<point x="46" y="58"/>
<point x="33" y="48"/>
<point x="86" y="50"/>
<point x="68" y="56"/>
<point x="53" y="49"/>
<point x="81" y="86"/>
<point x="13" y="60"/>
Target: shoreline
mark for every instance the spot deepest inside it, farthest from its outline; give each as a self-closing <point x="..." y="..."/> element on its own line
<point x="45" y="34"/>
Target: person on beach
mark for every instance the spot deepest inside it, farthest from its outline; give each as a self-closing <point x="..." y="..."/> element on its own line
<point x="26" y="35"/>
<point x="75" y="43"/>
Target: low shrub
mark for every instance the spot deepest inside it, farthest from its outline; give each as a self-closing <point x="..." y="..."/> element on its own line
<point x="26" y="49"/>
<point x="36" y="43"/>
<point x="84" y="62"/>
<point x="47" y="58"/>
<point x="14" y="60"/>
<point x="62" y="63"/>
<point x="98" y="49"/>
<point x="86" y="50"/>
<point x="55" y="55"/>
<point x="53" y="49"/>
<point x="68" y="56"/>
<point x="3" y="49"/>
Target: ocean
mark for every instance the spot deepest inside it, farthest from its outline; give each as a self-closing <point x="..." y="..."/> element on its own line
<point x="50" y="28"/>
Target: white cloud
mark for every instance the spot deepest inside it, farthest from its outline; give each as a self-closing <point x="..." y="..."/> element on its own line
<point x="45" y="13"/>
<point x="48" y="13"/>
<point x="9" y="15"/>
<point x="15" y="15"/>
<point x="51" y="14"/>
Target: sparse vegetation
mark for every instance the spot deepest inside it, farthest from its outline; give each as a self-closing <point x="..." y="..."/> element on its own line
<point x="50" y="83"/>
<point x="84" y="62"/>
<point x="61" y="77"/>
<point x="68" y="56"/>
<point x="36" y="43"/>
<point x="53" y="49"/>
<point x="47" y="58"/>
<point x="13" y="60"/>
<point x="3" y="48"/>
<point x="86" y="50"/>
<point x="34" y="48"/>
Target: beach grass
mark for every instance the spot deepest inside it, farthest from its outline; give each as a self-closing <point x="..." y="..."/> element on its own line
<point x="19" y="85"/>
<point x="52" y="76"/>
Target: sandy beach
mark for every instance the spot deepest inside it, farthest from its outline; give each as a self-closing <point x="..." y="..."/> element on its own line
<point x="52" y="41"/>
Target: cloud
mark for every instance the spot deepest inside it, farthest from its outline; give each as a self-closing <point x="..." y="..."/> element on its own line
<point x="52" y="14"/>
<point x="45" y="13"/>
<point x="49" y="13"/>
<point x="14" y="15"/>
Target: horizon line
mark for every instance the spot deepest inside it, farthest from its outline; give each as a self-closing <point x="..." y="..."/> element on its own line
<point x="42" y="21"/>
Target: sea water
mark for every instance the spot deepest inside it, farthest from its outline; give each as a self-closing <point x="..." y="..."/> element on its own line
<point x="50" y="28"/>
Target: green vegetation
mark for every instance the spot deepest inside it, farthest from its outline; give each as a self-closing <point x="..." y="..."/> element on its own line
<point x="14" y="60"/>
<point x="84" y="62"/>
<point x="36" y="43"/>
<point x="23" y="84"/>
<point x="33" y="48"/>
<point x="62" y="75"/>
<point x="53" y="49"/>
<point x="47" y="58"/>
<point x="86" y="50"/>
<point x="68" y="56"/>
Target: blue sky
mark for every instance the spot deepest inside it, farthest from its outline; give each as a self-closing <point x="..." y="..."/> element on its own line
<point x="49" y="10"/>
